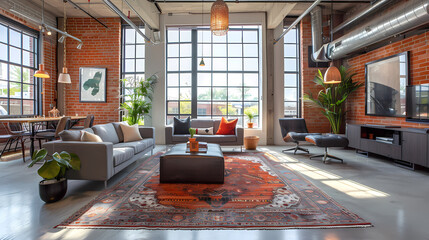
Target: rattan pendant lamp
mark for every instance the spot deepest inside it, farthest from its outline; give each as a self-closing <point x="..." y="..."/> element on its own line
<point x="41" y="72"/>
<point x="64" y="76"/>
<point x="219" y="19"/>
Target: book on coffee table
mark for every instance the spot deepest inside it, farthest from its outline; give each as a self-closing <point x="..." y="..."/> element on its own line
<point x="200" y="145"/>
<point x="200" y="150"/>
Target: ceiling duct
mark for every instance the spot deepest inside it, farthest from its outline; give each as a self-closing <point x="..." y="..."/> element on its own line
<point x="402" y="17"/>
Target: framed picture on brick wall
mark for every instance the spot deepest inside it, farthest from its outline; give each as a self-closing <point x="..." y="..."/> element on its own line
<point x="92" y="84"/>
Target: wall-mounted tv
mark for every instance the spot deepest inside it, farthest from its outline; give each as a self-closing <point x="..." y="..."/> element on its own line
<point x="386" y="82"/>
<point x="418" y="103"/>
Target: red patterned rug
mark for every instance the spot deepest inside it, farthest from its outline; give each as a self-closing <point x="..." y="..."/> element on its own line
<point x="259" y="192"/>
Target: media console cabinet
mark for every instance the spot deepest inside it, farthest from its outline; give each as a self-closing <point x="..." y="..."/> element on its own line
<point x="407" y="145"/>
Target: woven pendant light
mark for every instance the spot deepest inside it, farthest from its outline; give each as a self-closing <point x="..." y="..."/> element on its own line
<point x="219" y="20"/>
<point x="332" y="75"/>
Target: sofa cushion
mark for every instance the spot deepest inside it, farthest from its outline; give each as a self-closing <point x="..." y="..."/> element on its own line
<point x="117" y="126"/>
<point x="149" y="142"/>
<point x="227" y="127"/>
<point x="202" y="123"/>
<point x="137" y="146"/>
<point x="70" y="135"/>
<point x="205" y="131"/>
<point x="216" y="138"/>
<point x="181" y="126"/>
<point x="88" y="130"/>
<point x="121" y="155"/>
<point x="131" y="133"/>
<point x="90" y="137"/>
<point x="181" y="138"/>
<point x="106" y="132"/>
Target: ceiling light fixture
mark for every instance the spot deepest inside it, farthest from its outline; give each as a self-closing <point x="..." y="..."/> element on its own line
<point x="64" y="76"/>
<point x="332" y="74"/>
<point x="41" y="72"/>
<point x="219" y="19"/>
<point x="61" y="39"/>
<point x="79" y="46"/>
<point x="202" y="63"/>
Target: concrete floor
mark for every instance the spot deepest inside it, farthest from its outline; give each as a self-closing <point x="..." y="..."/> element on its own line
<point x="394" y="199"/>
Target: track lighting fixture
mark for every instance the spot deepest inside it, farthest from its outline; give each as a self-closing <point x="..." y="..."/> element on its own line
<point x="61" y="39"/>
<point x="79" y="46"/>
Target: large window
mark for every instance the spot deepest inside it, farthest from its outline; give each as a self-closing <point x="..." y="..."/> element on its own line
<point x="18" y="62"/>
<point x="291" y="74"/>
<point x="133" y="53"/>
<point x="228" y="84"/>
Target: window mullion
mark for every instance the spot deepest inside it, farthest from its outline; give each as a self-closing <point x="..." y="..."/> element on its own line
<point x="194" y="85"/>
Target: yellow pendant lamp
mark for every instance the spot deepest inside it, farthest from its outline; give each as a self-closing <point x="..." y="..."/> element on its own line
<point x="41" y="72"/>
<point x="332" y="75"/>
<point x="219" y="19"/>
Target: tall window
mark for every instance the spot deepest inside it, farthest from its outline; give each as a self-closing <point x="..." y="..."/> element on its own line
<point x="18" y="62"/>
<point x="228" y="84"/>
<point x="291" y="74"/>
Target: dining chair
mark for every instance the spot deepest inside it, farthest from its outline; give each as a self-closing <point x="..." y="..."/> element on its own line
<point x="89" y="121"/>
<point x="63" y="124"/>
<point x="15" y="133"/>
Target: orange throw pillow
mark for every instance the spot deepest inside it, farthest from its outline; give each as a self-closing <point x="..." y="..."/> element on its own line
<point x="227" y="128"/>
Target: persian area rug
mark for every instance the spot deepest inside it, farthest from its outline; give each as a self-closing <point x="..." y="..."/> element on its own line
<point x="259" y="192"/>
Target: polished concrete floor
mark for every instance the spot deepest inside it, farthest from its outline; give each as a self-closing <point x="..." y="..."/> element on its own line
<point x="393" y="199"/>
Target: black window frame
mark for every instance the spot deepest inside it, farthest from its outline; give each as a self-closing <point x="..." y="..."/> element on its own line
<point x="297" y="73"/>
<point x="36" y="84"/>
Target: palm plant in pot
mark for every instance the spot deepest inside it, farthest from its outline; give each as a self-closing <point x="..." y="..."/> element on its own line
<point x="332" y="97"/>
<point x="53" y="187"/>
<point x="250" y="115"/>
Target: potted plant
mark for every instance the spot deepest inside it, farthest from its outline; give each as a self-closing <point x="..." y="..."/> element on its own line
<point x="250" y="115"/>
<point x="193" y="144"/>
<point x="137" y="98"/>
<point x="53" y="187"/>
<point x="333" y="97"/>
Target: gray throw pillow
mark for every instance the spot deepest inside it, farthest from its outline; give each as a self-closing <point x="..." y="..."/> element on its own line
<point x="70" y="135"/>
<point x="117" y="126"/>
<point x="181" y="126"/>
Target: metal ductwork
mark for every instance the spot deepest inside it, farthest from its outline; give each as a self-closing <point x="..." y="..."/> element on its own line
<point x="402" y="17"/>
<point x="319" y="53"/>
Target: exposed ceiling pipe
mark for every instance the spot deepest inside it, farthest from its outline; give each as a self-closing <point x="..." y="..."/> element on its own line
<point x="400" y="18"/>
<point x="125" y="18"/>
<point x="319" y="53"/>
<point x="87" y="13"/>
<point x="138" y="15"/>
<point x="297" y="20"/>
<point x="360" y="15"/>
<point x="46" y="25"/>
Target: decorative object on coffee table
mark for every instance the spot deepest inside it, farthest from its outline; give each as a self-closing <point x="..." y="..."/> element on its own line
<point x="260" y="191"/>
<point x="92" y="86"/>
<point x="53" y="187"/>
<point x="193" y="143"/>
<point x="251" y="142"/>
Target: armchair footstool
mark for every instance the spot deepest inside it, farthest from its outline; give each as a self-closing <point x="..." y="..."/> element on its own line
<point x="327" y="141"/>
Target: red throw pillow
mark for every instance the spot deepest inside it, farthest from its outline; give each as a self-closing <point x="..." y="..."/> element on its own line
<point x="227" y="128"/>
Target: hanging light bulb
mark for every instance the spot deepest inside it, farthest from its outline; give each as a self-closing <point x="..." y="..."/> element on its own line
<point x="332" y="75"/>
<point x="64" y="76"/>
<point x="202" y="63"/>
<point x="219" y="18"/>
<point x="41" y="72"/>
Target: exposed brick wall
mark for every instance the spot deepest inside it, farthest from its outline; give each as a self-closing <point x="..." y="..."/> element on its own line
<point x="50" y="46"/>
<point x="419" y="74"/>
<point x="316" y="121"/>
<point x="101" y="48"/>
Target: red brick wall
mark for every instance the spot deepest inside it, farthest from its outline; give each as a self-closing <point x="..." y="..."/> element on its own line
<point x="315" y="120"/>
<point x="101" y="48"/>
<point x="419" y="74"/>
<point x="50" y="46"/>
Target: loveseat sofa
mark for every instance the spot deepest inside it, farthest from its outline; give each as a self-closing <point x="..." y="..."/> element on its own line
<point x="102" y="160"/>
<point x="223" y="140"/>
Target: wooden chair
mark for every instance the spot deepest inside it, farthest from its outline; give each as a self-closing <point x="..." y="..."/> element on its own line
<point x="89" y="121"/>
<point x="63" y="124"/>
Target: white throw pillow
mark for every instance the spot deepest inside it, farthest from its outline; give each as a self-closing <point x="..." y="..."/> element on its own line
<point x="131" y="133"/>
<point x="205" y="131"/>
<point x="89" y="137"/>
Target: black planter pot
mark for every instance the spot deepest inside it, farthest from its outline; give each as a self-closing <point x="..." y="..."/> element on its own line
<point x="52" y="192"/>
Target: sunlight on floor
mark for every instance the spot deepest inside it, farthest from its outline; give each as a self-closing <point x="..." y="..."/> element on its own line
<point x="348" y="187"/>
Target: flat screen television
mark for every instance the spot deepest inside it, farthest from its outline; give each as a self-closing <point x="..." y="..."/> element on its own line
<point x="418" y="103"/>
<point x="386" y="82"/>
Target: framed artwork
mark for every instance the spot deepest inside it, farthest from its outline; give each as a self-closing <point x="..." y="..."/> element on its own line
<point x="92" y="84"/>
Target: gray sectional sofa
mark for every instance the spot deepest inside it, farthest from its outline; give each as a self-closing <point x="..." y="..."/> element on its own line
<point x="102" y="160"/>
<point x="223" y="140"/>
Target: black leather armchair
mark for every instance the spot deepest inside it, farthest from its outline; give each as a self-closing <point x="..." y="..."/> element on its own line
<point x="294" y="130"/>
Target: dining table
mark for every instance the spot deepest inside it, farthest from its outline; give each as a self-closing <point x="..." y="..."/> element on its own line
<point x="33" y="121"/>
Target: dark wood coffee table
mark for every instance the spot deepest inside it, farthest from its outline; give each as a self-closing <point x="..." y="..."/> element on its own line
<point x="178" y="166"/>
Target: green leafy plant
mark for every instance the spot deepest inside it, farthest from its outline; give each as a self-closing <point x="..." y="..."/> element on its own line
<point x="138" y="98"/>
<point x="56" y="167"/>
<point x="333" y="97"/>
<point x="250" y="114"/>
<point x="192" y="131"/>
